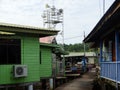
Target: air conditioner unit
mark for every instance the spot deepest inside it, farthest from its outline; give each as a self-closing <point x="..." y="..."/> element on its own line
<point x="20" y="70"/>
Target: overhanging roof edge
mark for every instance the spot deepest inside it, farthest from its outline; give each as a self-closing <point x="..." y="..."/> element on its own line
<point x="106" y="16"/>
<point x="27" y="29"/>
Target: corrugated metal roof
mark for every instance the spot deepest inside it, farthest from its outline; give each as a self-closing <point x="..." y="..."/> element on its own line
<point x="80" y="54"/>
<point x="14" y="28"/>
<point x="23" y="26"/>
<point x="48" y="39"/>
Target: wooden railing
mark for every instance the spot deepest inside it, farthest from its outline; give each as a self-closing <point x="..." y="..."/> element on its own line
<point x="111" y="70"/>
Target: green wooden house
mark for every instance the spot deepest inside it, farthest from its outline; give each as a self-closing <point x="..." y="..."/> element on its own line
<point x="20" y="56"/>
<point x="47" y="64"/>
<point x="51" y="64"/>
<point x="60" y="63"/>
<point x="60" y="66"/>
<point x="46" y="60"/>
<point x="54" y="54"/>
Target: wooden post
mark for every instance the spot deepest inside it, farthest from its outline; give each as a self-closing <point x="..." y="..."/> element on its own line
<point x="117" y="55"/>
<point x="101" y="56"/>
<point x="101" y="46"/>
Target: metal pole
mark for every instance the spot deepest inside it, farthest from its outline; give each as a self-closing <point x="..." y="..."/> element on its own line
<point x="53" y="2"/>
<point x="84" y="44"/>
<point x="103" y="6"/>
<point x="63" y="45"/>
<point x="84" y="61"/>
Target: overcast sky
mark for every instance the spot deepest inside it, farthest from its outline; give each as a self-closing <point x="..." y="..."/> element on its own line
<point x="79" y="15"/>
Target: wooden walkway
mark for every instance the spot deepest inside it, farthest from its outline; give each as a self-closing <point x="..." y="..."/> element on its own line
<point x="82" y="83"/>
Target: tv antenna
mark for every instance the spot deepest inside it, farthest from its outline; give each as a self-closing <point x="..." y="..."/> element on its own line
<point x="52" y="16"/>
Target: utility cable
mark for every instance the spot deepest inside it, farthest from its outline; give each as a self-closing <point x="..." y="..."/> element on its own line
<point x="71" y="38"/>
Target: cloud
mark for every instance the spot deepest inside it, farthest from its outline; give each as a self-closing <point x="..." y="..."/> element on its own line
<point x="79" y="15"/>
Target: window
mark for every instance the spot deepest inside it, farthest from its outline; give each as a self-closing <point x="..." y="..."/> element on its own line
<point x="107" y="50"/>
<point x="10" y="51"/>
<point x="109" y="53"/>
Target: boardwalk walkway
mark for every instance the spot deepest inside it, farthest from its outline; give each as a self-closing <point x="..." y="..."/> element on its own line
<point x="82" y="83"/>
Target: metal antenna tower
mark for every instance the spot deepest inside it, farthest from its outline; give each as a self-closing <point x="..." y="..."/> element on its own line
<point x="52" y="16"/>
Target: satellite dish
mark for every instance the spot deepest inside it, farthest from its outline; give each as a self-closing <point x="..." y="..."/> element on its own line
<point x="61" y="10"/>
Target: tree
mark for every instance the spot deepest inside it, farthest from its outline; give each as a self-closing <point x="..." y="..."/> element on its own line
<point x="78" y="47"/>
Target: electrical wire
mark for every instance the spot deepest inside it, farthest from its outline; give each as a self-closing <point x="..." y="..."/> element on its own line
<point x="71" y="38"/>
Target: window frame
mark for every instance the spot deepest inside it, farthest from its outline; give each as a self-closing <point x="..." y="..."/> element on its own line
<point x="12" y="49"/>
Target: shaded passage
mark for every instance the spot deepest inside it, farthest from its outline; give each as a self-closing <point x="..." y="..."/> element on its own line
<point x="85" y="82"/>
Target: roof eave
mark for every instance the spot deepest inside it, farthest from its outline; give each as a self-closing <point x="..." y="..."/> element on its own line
<point x="102" y="22"/>
<point x="27" y="30"/>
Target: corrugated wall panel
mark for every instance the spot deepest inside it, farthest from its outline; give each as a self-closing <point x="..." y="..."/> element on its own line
<point x="46" y="62"/>
<point x="30" y="57"/>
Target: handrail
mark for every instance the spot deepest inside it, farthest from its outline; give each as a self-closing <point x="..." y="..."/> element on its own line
<point x="107" y="62"/>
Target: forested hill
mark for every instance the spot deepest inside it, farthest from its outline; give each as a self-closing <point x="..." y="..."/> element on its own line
<point x="79" y="47"/>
